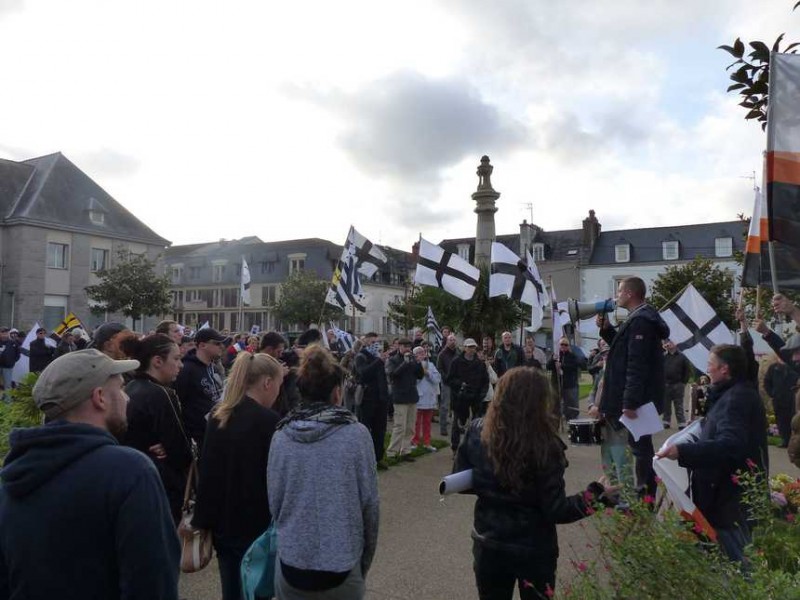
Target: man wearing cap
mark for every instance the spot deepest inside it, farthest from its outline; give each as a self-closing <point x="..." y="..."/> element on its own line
<point x="403" y="371"/>
<point x="107" y="339"/>
<point x="469" y="381"/>
<point x="199" y="384"/>
<point x="9" y="355"/>
<point x="80" y="515"/>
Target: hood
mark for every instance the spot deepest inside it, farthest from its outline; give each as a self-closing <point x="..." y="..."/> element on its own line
<point x="311" y="422"/>
<point x="652" y="315"/>
<point x="308" y="432"/>
<point x="38" y="453"/>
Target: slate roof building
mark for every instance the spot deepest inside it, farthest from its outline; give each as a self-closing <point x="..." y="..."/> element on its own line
<point x="58" y="229"/>
<point x="206" y="282"/>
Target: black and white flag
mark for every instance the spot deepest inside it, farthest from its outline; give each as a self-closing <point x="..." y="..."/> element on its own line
<point x="512" y="277"/>
<point x="695" y="327"/>
<point x="359" y="257"/>
<point x="438" y="268"/>
<point x="346" y="338"/>
<point x="433" y="327"/>
<point x="245" y="283"/>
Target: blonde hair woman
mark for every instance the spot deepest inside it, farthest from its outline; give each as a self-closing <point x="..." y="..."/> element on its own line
<point x="232" y="497"/>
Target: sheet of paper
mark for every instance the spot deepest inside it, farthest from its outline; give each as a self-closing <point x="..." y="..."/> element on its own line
<point x="457" y="482"/>
<point x="647" y="421"/>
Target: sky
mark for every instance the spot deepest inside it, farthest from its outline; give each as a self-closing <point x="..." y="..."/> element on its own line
<point x="287" y="120"/>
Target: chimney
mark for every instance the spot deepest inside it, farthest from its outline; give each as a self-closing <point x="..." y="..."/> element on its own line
<point x="591" y="230"/>
<point x="525" y="237"/>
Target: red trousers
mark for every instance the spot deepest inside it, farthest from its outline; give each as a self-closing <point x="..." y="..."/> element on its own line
<point x="422" y="430"/>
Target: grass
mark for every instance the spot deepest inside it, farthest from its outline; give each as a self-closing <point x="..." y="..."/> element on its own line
<point x="774" y="440"/>
<point x="584" y="389"/>
<point x="416" y="452"/>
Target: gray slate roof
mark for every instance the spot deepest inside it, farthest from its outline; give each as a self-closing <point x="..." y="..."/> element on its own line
<point x="646" y="244"/>
<point x="52" y="192"/>
<point x="557" y="244"/>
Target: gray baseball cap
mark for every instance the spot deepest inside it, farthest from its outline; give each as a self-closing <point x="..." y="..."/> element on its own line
<point x="70" y="379"/>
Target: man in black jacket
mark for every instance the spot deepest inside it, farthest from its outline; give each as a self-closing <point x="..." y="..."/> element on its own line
<point x="565" y="368"/>
<point x="508" y="355"/>
<point x="634" y="373"/>
<point x="469" y="381"/>
<point x="443" y="362"/>
<point x="9" y="355"/>
<point x="677" y="371"/>
<point x="370" y="373"/>
<point x="733" y="438"/>
<point x="40" y="354"/>
<point x="403" y="371"/>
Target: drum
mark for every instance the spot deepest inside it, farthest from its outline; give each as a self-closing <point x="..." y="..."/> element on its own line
<point x="585" y="432"/>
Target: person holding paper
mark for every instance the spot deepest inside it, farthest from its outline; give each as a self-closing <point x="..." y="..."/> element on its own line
<point x="733" y="438"/>
<point x="517" y="461"/>
<point x="634" y="374"/>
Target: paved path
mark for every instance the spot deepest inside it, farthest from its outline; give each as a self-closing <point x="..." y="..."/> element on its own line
<point x="424" y="550"/>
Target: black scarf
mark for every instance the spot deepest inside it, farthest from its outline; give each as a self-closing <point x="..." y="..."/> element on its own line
<point x="321" y="412"/>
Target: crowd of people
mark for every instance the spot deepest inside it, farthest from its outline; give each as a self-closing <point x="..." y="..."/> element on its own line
<point x="294" y="435"/>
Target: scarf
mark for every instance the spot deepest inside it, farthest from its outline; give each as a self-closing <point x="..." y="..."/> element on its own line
<point x="321" y="412"/>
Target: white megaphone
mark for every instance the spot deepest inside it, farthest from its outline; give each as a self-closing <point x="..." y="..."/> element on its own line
<point x="579" y="311"/>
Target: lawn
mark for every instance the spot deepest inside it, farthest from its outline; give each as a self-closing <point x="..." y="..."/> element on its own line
<point x="416" y="452"/>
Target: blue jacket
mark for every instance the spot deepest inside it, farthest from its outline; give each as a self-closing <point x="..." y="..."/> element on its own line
<point x="82" y="517"/>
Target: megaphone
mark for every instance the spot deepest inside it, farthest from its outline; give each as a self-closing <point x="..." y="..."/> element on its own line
<point x="579" y="311"/>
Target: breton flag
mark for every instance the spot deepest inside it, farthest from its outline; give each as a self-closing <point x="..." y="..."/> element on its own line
<point x="511" y="277"/>
<point x="783" y="149"/>
<point x="359" y="257"/>
<point x="69" y="323"/>
<point x="433" y="327"/>
<point x="23" y="365"/>
<point x="245" y="284"/>
<point x="694" y="326"/>
<point x="438" y="268"/>
<point x="346" y="338"/>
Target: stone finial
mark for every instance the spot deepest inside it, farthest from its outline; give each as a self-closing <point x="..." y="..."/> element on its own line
<point x="484" y="174"/>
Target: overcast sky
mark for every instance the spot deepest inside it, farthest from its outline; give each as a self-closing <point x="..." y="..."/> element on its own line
<point x="212" y="119"/>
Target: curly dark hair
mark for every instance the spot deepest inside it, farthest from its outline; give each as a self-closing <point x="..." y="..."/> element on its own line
<point x="519" y="431"/>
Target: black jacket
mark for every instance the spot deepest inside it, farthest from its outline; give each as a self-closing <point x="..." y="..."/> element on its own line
<point x="40" y="355"/>
<point x="677" y="368"/>
<point x="83" y="517"/>
<point x="634" y="373"/>
<point x="199" y="388"/>
<point x="444" y="360"/>
<point x="779" y="383"/>
<point x="468" y="379"/>
<point x="9" y="354"/>
<point x="232" y="496"/>
<point x="154" y="417"/>
<point x="734" y="430"/>
<point x="570" y="369"/>
<point x="371" y="373"/>
<point x="508" y="359"/>
<point x="523" y="521"/>
<point x="403" y="376"/>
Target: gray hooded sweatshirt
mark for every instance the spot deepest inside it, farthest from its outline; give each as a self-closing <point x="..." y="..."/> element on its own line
<point x="323" y="495"/>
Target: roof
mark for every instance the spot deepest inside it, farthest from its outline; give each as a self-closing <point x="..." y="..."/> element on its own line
<point x="564" y="244"/>
<point x="646" y="244"/>
<point x="51" y="191"/>
<point x="252" y="247"/>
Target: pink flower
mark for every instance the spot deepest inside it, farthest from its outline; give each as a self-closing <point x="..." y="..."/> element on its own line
<point x="581" y="566"/>
<point x="790" y="518"/>
<point x="526" y="583"/>
<point x="648" y="499"/>
<point x="697" y="529"/>
<point x="735" y="479"/>
<point x="658" y="479"/>
<point x="548" y="591"/>
<point x="589" y="510"/>
<point x="750" y="464"/>
<point x="779" y="499"/>
<point x="588" y="496"/>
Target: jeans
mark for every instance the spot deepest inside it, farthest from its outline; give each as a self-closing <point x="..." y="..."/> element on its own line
<point x="733" y="541"/>
<point x="444" y="408"/>
<point x="614" y="453"/>
<point x="674" y="397"/>
<point x="497" y="571"/>
<point x="643" y="459"/>
<point x="372" y="415"/>
<point x="229" y="559"/>
<point x="7" y="383"/>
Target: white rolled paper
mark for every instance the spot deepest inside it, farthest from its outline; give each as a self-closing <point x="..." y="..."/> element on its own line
<point x="455" y="483"/>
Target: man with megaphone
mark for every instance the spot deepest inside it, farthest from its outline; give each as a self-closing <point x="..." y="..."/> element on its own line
<point x="634" y="373"/>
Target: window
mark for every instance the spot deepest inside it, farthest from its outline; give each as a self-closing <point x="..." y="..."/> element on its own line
<point x="297" y="262"/>
<point x="57" y="256"/>
<point x="267" y="266"/>
<point x="97" y="217"/>
<point x="226" y="297"/>
<point x="463" y="251"/>
<point x="55" y="310"/>
<point x="669" y="250"/>
<point x="218" y="273"/>
<point x="723" y="246"/>
<point x="572" y="252"/>
<point x="194" y="272"/>
<point x="538" y="253"/>
<point x="99" y="260"/>
<point x="176" y="273"/>
<point x="268" y="295"/>
<point x="622" y="253"/>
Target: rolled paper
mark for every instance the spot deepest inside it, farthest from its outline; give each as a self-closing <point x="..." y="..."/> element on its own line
<point x="456" y="482"/>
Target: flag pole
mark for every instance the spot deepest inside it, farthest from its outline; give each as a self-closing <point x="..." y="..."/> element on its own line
<point x="758" y="302"/>
<point x="773" y="270"/>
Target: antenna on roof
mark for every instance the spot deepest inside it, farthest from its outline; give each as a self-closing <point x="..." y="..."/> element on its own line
<point x="752" y="178"/>
<point x="529" y="206"/>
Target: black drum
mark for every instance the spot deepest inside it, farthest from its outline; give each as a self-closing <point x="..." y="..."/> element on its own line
<point x="585" y="432"/>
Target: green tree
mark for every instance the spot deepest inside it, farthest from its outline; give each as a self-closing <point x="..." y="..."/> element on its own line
<point x="302" y="300"/>
<point x="750" y="74"/>
<point x="131" y="287"/>
<point x="713" y="283"/>
<point x="475" y="317"/>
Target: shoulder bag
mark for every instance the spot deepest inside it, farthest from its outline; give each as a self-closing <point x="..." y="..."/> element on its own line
<point x="258" y="566"/>
<point x="196" y="547"/>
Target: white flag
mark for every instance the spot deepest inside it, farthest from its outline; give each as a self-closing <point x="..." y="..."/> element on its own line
<point x="23" y="365"/>
<point x="439" y="268"/>
<point x="345" y="289"/>
<point x="695" y="327"/>
<point x="245" y="285"/>
<point x="368" y="255"/>
<point x="560" y="316"/>
<point x="511" y="277"/>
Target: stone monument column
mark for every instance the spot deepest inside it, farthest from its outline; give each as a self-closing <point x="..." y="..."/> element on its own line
<point x="485" y="197"/>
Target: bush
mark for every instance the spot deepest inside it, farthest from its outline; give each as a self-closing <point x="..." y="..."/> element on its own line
<point x="20" y="412"/>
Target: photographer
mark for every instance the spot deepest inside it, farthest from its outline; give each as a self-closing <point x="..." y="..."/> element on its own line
<point x="404" y="371"/>
<point x="469" y="383"/>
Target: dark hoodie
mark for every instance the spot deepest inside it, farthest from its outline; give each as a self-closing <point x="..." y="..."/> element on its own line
<point x="83" y="517"/>
<point x="634" y="372"/>
<point x="199" y="388"/>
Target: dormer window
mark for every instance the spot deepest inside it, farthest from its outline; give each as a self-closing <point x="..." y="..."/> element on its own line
<point x="538" y="252"/>
<point x="622" y="253"/>
<point x="97" y="212"/>
<point x="723" y="246"/>
<point x="463" y="251"/>
<point x="669" y="250"/>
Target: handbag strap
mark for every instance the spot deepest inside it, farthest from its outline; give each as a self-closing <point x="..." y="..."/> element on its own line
<point x="187" y="495"/>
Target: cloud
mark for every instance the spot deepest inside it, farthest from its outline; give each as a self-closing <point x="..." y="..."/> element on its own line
<point x="410" y="128"/>
<point x="10" y="6"/>
<point x="107" y="162"/>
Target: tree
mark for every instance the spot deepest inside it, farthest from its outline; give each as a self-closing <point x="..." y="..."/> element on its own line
<point x="131" y="287"/>
<point x="713" y="283"/>
<point x="475" y="317"/>
<point x="751" y="75"/>
<point x="302" y="300"/>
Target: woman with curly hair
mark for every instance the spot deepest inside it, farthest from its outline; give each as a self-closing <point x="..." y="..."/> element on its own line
<point x="323" y="490"/>
<point x="518" y="462"/>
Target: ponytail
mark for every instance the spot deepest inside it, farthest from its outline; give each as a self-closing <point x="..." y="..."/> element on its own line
<point x="247" y="370"/>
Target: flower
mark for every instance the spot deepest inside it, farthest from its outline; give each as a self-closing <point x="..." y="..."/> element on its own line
<point x="548" y="591"/>
<point x="526" y="583"/>
<point x="658" y="479"/>
<point x="750" y="464"/>
<point x="735" y="479"/>
<point x="697" y="528"/>
<point x="790" y="517"/>
<point x="589" y="510"/>
<point x="778" y="499"/>
<point x="648" y="499"/>
<point x="609" y="511"/>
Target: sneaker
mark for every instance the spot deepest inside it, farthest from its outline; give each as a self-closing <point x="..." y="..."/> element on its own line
<point x="413" y="447"/>
<point x="430" y="448"/>
<point x="408" y="458"/>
